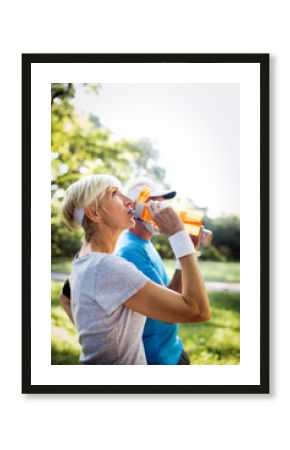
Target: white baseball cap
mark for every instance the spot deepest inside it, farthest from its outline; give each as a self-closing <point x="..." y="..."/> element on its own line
<point x="134" y="187"/>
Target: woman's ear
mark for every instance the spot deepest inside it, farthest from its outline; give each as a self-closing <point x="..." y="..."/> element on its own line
<point x="92" y="214"/>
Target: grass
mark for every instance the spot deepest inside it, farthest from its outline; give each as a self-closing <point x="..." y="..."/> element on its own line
<point x="216" y="341"/>
<point x="221" y="271"/>
<point x="213" y="342"/>
<point x="211" y="270"/>
<point x="61" y="265"/>
<point x="65" y="348"/>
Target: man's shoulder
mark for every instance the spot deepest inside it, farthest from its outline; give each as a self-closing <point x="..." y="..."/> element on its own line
<point x="130" y="241"/>
<point x="134" y="252"/>
<point x="131" y="249"/>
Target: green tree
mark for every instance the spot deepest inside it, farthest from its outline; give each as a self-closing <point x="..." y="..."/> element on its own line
<point x="226" y="238"/>
<point x="81" y="145"/>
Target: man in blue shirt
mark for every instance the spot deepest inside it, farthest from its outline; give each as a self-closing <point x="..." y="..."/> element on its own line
<point x="161" y="341"/>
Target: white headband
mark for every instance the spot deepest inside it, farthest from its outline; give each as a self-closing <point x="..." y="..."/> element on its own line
<point x="79" y="215"/>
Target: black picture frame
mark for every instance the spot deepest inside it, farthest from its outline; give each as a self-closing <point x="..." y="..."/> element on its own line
<point x="263" y="61"/>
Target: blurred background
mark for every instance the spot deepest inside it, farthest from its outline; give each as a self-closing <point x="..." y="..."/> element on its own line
<point x="185" y="136"/>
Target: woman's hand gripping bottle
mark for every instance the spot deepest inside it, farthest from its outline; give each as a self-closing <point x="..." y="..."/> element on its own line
<point x="192" y="221"/>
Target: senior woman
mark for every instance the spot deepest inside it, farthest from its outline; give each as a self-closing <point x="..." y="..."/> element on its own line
<point x="110" y="298"/>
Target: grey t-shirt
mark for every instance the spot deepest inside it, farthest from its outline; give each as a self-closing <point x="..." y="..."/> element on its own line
<point x="109" y="333"/>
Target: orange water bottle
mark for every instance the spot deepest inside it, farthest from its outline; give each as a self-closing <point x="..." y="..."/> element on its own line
<point x="192" y="221"/>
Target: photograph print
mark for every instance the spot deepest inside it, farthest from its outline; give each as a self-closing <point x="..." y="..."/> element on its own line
<point x="151" y="257"/>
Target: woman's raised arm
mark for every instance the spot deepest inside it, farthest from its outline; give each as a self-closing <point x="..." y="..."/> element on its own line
<point x="161" y="303"/>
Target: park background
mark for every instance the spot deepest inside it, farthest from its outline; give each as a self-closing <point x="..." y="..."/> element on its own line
<point x="81" y="144"/>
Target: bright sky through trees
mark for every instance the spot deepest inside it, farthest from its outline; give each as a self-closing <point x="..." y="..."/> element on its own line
<point x="195" y="128"/>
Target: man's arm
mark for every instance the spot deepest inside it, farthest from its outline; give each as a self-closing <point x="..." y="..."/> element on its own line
<point x="65" y="299"/>
<point x="176" y="281"/>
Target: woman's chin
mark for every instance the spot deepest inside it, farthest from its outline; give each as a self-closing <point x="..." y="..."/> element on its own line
<point x="129" y="223"/>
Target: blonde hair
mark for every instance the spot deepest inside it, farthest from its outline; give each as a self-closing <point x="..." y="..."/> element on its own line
<point x="85" y="192"/>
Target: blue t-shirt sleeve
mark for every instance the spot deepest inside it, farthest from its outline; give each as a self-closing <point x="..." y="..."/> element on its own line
<point x="141" y="260"/>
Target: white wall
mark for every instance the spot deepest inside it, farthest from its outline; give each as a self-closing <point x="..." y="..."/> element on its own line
<point x="203" y="422"/>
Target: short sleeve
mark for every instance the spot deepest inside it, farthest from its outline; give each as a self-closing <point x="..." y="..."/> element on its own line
<point x="116" y="281"/>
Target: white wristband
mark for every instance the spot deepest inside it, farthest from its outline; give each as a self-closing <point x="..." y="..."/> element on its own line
<point x="181" y="244"/>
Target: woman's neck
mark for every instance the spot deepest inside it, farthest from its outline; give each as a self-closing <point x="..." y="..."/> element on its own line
<point x="104" y="242"/>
